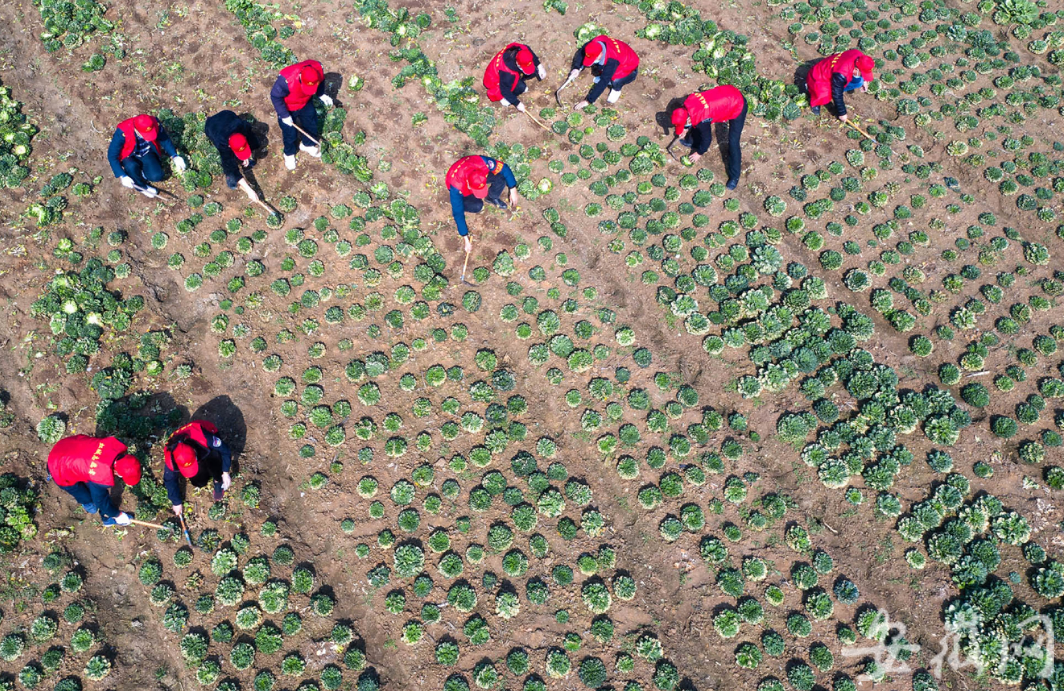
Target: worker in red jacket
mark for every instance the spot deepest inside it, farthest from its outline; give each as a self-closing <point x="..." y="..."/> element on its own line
<point x="292" y="97"/>
<point x="473" y="179"/>
<point x="196" y="453"/>
<point x="134" y="154"/>
<point x="505" y="75"/>
<point x="612" y="62"/>
<point x="838" y="74"/>
<point x="694" y="125"/>
<point x="85" y="468"/>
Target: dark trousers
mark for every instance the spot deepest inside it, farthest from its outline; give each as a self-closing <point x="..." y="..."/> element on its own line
<point x="616" y="84"/>
<point x="80" y="491"/>
<point x="472" y="205"/>
<point x="733" y="163"/>
<point x="307" y="118"/>
<point x="144" y="169"/>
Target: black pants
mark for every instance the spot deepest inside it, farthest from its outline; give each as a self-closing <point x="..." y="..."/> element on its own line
<point x="144" y="169"/>
<point x="733" y="164"/>
<point x="616" y="84"/>
<point x="307" y="118"/>
<point x="472" y="205"/>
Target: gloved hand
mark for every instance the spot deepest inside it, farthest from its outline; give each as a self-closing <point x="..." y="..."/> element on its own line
<point x="844" y="118"/>
<point x="581" y="105"/>
<point x="521" y="107"/>
<point x="513" y="197"/>
<point x="123" y="518"/>
<point x="468" y="244"/>
<point x="574" y="74"/>
<point x="127" y="182"/>
<point x="226" y="481"/>
<point x="178" y="163"/>
<point x="288" y="121"/>
<point x="150" y="192"/>
<point x="179" y="509"/>
<point x="327" y="100"/>
<point x="542" y="72"/>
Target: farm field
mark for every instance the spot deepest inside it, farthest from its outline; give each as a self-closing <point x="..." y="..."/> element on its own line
<point x="803" y="434"/>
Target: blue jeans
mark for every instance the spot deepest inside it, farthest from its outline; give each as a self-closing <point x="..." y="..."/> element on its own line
<point x="307" y="118"/>
<point x="855" y="83"/>
<point x="495" y="187"/>
<point x="144" y="169"/>
<point x="80" y="492"/>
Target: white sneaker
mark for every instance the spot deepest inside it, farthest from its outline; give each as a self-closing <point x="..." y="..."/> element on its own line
<point x="312" y="150"/>
<point x="615" y="95"/>
<point x="596" y="80"/>
<point x="289" y="162"/>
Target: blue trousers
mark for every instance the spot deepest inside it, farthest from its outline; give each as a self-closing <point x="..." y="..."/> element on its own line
<point x="307" y="118"/>
<point x="98" y="495"/>
<point x="144" y="169"/>
<point x="855" y="83"/>
<point x="495" y="187"/>
<point x="80" y="492"/>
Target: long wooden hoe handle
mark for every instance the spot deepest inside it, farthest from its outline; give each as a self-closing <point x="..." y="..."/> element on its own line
<point x="867" y="136"/>
<point x="306" y="134"/>
<point x="149" y="525"/>
<point x="464" y="265"/>
<point x="264" y="205"/>
<point x="533" y="117"/>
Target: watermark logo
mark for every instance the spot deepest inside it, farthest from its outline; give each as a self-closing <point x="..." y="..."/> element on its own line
<point x="1018" y="648"/>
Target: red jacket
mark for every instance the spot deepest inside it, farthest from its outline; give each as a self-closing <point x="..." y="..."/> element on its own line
<point x="193" y="431"/>
<point x="621" y="52"/>
<point x="719" y="104"/>
<point x="83" y="458"/>
<point x="491" y="73"/>
<point x="819" y="78"/>
<point x="126" y="128"/>
<point x="460" y="170"/>
<point x="298" y="94"/>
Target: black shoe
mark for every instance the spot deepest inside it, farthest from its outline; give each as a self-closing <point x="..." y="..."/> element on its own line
<point x="733" y="183"/>
<point x="816" y="110"/>
<point x="498" y="202"/>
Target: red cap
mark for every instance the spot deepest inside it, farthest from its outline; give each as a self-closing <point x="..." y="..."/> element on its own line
<point x="186" y="460"/>
<point x="145" y="125"/>
<point x="591" y="52"/>
<point x="309" y="76"/>
<point x="525" y="61"/>
<point x="478" y="184"/>
<point x="679" y="119"/>
<point x="128" y="468"/>
<point x="865" y="64"/>
<point x="239" y="144"/>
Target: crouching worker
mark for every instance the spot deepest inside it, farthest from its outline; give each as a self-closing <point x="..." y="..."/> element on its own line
<point x="134" y="154"/>
<point x="613" y="63"/>
<point x="694" y="125"/>
<point x="85" y="468"/>
<point x="196" y="453"/>
<point x="836" y="75"/>
<point x="504" y="78"/>
<point x="473" y="179"/>
<point x="236" y="144"/>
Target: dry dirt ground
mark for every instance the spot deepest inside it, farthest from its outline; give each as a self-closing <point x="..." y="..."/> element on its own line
<point x="194" y="56"/>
